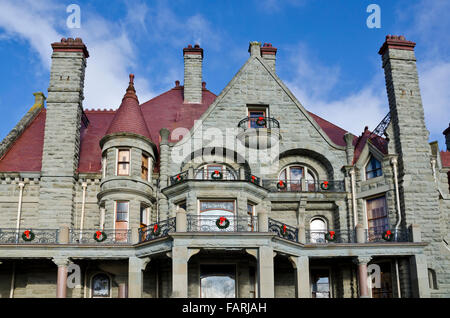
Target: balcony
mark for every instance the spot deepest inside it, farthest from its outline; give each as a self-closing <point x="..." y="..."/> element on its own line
<point x="304" y="186"/>
<point x="259" y="132"/>
<point x="157" y="230"/>
<point x="97" y="236"/>
<point x="213" y="175"/>
<point x="29" y="236"/>
<point x="283" y="230"/>
<point x="217" y="223"/>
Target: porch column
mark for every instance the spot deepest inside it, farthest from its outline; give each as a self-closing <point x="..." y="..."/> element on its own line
<point x="302" y="286"/>
<point x="61" y="284"/>
<point x="122" y="290"/>
<point x="266" y="272"/>
<point x="136" y="266"/>
<point x="362" y="262"/>
<point x="419" y="276"/>
<point x="180" y="272"/>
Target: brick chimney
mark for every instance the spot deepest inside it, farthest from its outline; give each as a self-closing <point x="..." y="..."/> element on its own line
<point x="447" y="137"/>
<point x="193" y="60"/>
<point x="268" y="53"/>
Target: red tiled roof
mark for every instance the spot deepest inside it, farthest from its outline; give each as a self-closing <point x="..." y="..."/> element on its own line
<point x="164" y="111"/>
<point x="26" y="153"/>
<point x="445" y="159"/>
<point x="379" y="142"/>
<point x="128" y="117"/>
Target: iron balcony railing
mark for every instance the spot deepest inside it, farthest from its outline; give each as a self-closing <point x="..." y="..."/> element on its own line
<point x="384" y="234"/>
<point x="218" y="223"/>
<point x="252" y="178"/>
<point x="97" y="236"/>
<point x="304" y="185"/>
<point x="182" y="176"/>
<point x="29" y="236"/>
<point x="283" y="230"/>
<point x="157" y="230"/>
<point x="259" y="122"/>
<point x="224" y="175"/>
<point x="331" y="236"/>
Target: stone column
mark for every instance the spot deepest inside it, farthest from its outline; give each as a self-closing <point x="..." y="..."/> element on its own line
<point x="181" y="220"/>
<point x="266" y="272"/>
<point x="61" y="284"/>
<point x="180" y="272"/>
<point x="136" y="266"/>
<point x="302" y="286"/>
<point x="123" y="290"/>
<point x="419" y="276"/>
<point x="362" y="262"/>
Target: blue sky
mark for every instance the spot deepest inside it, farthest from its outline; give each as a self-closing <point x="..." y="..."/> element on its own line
<point x="326" y="54"/>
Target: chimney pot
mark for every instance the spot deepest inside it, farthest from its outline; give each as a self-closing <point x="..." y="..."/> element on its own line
<point x="204" y="85"/>
<point x="177" y="83"/>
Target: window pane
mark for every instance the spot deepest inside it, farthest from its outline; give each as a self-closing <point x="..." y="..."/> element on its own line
<point x="124" y="155"/>
<point x="122" y="211"/>
<point x="296" y="173"/>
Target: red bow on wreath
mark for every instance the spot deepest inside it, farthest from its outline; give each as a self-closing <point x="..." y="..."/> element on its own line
<point x="281" y="183"/>
<point x="27" y="233"/>
<point x="253" y="178"/>
<point x="178" y="177"/>
<point x="216" y="171"/>
<point x="98" y="233"/>
<point x="284" y="228"/>
<point x="332" y="234"/>
<point x="260" y="118"/>
<point x="222" y="219"/>
<point x="155" y="227"/>
<point x="388" y="232"/>
<point x="325" y="183"/>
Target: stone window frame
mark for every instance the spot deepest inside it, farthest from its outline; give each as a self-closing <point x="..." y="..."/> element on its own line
<point x="91" y="293"/>
<point x="366" y="164"/>
<point x="147" y="210"/>
<point x="365" y="211"/>
<point x="256" y="108"/>
<point x="321" y="218"/>
<point x="432" y="279"/>
<point x="104" y="165"/>
<point x="305" y="168"/>
<point x="149" y="166"/>
<point x="118" y="162"/>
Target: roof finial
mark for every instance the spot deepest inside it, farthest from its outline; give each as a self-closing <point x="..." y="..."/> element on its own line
<point x="131" y="92"/>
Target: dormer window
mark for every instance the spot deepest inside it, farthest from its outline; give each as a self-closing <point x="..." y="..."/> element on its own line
<point x="373" y="168"/>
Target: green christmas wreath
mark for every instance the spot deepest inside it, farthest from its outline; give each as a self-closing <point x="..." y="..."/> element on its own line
<point x="156" y="230"/>
<point x="222" y="223"/>
<point x="388" y="236"/>
<point x="216" y="175"/>
<point x="28" y="235"/>
<point x="100" y="236"/>
<point x="283" y="230"/>
<point x="281" y="185"/>
<point x="324" y="185"/>
<point x="179" y="178"/>
<point x="261" y="121"/>
<point x="330" y="236"/>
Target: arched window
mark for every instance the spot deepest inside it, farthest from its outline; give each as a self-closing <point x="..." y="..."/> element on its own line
<point x="317" y="230"/>
<point x="101" y="286"/>
<point x="432" y="280"/>
<point x="373" y="168"/>
<point x="293" y="176"/>
<point x="205" y="172"/>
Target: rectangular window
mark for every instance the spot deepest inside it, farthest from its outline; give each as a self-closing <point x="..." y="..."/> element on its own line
<point x="104" y="166"/>
<point x="377" y="217"/>
<point x="144" y="216"/>
<point x="144" y="167"/>
<point x="123" y="162"/>
<point x="256" y="113"/>
<point x="122" y="211"/>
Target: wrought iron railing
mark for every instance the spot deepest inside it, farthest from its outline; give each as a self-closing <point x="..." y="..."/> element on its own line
<point x="29" y="236"/>
<point x="157" y="230"/>
<point x="252" y="178"/>
<point x="304" y="186"/>
<point x="97" y="236"/>
<point x="182" y="176"/>
<point x="283" y="230"/>
<point x="222" y="175"/>
<point x="218" y="223"/>
<point x="376" y="234"/>
<point x="331" y="236"/>
<point x="259" y="122"/>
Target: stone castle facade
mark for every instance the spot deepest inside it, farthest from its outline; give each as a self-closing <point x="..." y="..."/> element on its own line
<point x="243" y="194"/>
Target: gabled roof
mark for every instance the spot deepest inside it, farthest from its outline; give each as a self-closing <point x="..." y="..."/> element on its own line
<point x="377" y="141"/>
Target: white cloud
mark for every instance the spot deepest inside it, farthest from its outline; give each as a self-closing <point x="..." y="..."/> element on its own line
<point x="313" y="82"/>
<point x="110" y="47"/>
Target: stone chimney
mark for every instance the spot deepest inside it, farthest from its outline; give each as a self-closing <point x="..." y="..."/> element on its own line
<point x="193" y="60"/>
<point x="447" y="137"/>
<point x="268" y="53"/>
<point x="254" y="48"/>
<point x="62" y="133"/>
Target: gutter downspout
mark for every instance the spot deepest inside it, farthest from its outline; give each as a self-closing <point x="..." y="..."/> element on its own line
<point x="19" y="210"/>
<point x="355" y="215"/>
<point x="84" y="186"/>
<point x="397" y="197"/>
<point x="398" y="279"/>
